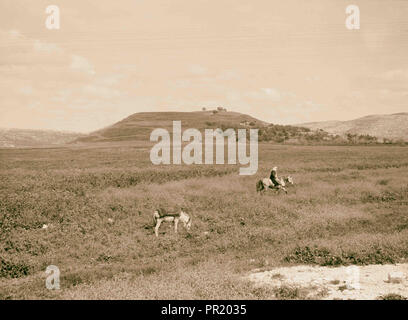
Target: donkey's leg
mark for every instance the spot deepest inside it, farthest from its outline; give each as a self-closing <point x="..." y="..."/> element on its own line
<point x="156" y="228"/>
<point x="282" y="188"/>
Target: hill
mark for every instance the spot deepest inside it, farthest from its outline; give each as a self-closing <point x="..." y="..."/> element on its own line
<point x="10" y="138"/>
<point x="138" y="126"/>
<point x="391" y="126"/>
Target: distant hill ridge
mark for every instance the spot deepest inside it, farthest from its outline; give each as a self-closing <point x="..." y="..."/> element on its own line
<point x="138" y="127"/>
<point x="12" y="138"/>
<point x="389" y="126"/>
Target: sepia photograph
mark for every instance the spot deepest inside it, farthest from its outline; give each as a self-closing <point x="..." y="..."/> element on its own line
<point x="202" y="150"/>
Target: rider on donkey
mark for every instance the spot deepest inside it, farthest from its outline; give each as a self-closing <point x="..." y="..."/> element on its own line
<point x="274" y="177"/>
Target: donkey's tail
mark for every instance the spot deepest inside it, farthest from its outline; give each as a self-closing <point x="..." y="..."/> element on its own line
<point x="259" y="186"/>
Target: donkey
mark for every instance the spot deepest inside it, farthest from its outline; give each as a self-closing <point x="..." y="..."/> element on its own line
<point x="160" y="216"/>
<point x="266" y="183"/>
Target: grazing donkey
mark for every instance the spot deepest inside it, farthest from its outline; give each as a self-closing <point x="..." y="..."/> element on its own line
<point x="160" y="215"/>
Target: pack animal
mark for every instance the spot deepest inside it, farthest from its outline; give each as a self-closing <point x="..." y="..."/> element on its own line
<point x="266" y="183"/>
<point x="160" y="216"/>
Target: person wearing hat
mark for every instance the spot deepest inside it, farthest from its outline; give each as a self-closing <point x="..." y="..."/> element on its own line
<point x="274" y="176"/>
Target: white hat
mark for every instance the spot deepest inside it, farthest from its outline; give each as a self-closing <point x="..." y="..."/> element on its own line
<point x="274" y="168"/>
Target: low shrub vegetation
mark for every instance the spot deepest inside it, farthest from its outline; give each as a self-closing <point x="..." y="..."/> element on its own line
<point x="97" y="202"/>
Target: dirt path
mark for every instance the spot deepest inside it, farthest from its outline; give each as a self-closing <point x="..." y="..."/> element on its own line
<point x="354" y="282"/>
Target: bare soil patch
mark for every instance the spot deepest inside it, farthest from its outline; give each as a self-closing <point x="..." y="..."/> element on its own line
<point x="352" y="282"/>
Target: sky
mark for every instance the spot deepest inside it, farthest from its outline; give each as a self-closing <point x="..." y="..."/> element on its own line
<point x="284" y="62"/>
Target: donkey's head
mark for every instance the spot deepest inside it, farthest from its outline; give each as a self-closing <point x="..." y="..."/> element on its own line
<point x="186" y="219"/>
<point x="289" y="180"/>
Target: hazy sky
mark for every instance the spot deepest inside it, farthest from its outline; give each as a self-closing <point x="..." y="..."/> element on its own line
<point x="280" y="61"/>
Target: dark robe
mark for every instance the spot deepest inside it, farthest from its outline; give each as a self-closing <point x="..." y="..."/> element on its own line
<point x="274" y="178"/>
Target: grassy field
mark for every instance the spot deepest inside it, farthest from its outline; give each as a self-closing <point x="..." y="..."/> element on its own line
<point x="348" y="206"/>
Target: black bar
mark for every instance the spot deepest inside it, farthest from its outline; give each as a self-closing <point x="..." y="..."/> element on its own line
<point x="203" y="309"/>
